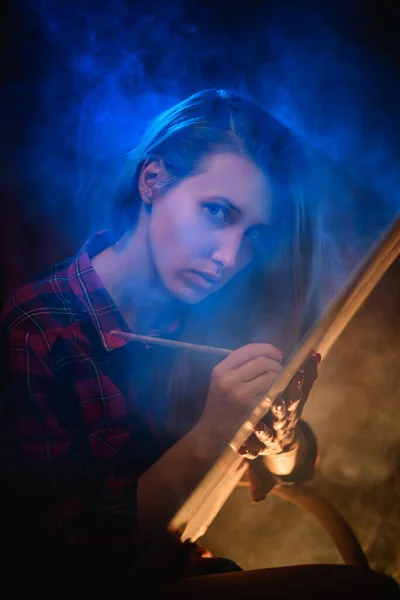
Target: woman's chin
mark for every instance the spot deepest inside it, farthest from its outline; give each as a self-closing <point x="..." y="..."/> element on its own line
<point x="188" y="294"/>
<point x="189" y="297"/>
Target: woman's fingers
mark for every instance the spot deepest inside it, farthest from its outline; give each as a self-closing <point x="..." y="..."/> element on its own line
<point x="236" y="385"/>
<point x="256" y="367"/>
<point x="257" y="387"/>
<point x="247" y="353"/>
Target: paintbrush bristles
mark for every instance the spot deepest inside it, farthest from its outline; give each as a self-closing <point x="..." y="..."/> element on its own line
<point x="145" y="339"/>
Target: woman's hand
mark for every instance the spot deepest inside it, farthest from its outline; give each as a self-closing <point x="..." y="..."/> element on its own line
<point x="236" y="387"/>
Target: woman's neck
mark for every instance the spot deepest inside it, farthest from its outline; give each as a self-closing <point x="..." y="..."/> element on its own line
<point x="128" y="274"/>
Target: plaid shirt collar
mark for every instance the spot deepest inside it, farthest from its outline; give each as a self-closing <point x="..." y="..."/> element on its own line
<point x="89" y="289"/>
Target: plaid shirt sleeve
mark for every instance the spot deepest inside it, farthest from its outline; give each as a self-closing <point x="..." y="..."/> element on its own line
<point x="52" y="492"/>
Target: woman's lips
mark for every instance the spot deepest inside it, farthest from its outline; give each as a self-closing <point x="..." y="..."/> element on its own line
<point x="206" y="281"/>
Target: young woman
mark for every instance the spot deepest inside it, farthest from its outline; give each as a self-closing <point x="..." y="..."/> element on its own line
<point x="215" y="242"/>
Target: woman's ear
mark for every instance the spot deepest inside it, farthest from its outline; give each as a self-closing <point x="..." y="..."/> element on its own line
<point x="152" y="173"/>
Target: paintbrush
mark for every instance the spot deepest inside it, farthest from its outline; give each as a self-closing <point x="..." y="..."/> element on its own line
<point x="146" y="339"/>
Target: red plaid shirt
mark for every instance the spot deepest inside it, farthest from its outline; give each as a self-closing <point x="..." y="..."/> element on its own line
<point x="83" y="409"/>
<point x="82" y="419"/>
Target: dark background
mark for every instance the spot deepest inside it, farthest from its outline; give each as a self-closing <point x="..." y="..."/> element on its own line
<point x="81" y="78"/>
<point x="79" y="81"/>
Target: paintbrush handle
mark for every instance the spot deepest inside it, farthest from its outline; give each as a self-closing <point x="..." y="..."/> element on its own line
<point x="146" y="339"/>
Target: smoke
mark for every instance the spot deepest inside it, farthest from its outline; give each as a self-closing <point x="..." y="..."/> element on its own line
<point x="92" y="99"/>
<point x="105" y="69"/>
<point x="99" y="71"/>
<point x="340" y="97"/>
<point x="355" y="414"/>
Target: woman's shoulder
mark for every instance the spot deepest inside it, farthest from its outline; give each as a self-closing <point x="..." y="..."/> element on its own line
<point x="41" y="309"/>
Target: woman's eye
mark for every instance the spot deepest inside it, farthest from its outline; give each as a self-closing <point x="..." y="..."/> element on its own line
<point x="254" y="235"/>
<point x="217" y="212"/>
<point x="259" y="240"/>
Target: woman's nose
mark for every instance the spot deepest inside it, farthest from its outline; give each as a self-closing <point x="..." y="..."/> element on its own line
<point x="227" y="252"/>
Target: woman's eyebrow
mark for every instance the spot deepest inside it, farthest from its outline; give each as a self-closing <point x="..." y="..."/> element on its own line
<point x="228" y="203"/>
<point x="235" y="208"/>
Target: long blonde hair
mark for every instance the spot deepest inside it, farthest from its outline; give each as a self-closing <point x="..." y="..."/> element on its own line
<point x="275" y="299"/>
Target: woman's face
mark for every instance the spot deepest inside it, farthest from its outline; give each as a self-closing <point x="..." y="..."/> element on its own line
<point x="205" y="229"/>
